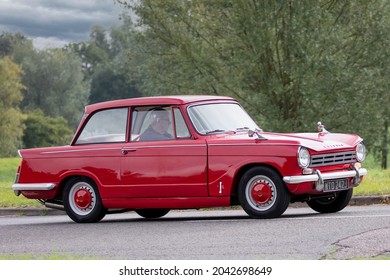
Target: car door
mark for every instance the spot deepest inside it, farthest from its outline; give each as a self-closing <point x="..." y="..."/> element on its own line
<point x="173" y="165"/>
<point x="98" y="148"/>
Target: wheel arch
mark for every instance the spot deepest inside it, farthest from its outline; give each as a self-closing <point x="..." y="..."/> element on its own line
<point x="70" y="176"/>
<point x="241" y="172"/>
<point x="81" y="199"/>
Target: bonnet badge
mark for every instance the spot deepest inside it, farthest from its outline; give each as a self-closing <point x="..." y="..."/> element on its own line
<point x="321" y="128"/>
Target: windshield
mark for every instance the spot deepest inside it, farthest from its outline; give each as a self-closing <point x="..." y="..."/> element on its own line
<point x="220" y="118"/>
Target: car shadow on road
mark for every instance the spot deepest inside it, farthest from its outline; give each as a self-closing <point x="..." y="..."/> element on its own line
<point x="184" y="218"/>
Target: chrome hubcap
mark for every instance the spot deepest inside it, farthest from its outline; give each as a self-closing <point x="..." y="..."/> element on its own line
<point x="82" y="198"/>
<point x="261" y="193"/>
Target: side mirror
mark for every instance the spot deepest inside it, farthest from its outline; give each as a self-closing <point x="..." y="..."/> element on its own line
<point x="256" y="132"/>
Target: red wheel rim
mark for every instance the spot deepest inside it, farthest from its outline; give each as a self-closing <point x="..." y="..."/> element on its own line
<point x="261" y="193"/>
<point x="83" y="198"/>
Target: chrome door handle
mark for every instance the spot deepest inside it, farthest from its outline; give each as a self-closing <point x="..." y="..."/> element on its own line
<point x="125" y="151"/>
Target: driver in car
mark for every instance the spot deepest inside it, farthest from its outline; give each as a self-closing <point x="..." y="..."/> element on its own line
<point x="158" y="128"/>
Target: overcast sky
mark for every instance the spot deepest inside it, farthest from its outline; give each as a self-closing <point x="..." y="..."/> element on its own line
<point x="53" y="23"/>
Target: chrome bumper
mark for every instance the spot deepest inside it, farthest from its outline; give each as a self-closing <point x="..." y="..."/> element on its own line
<point x="319" y="178"/>
<point x="32" y="187"/>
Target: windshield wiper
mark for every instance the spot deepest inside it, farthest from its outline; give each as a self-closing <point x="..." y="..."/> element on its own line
<point x="219" y="131"/>
<point x="215" y="131"/>
<point x="242" y="128"/>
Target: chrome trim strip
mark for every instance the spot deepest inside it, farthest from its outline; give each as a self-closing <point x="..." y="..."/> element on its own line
<point x="33" y="187"/>
<point x="80" y="150"/>
<point x="119" y="148"/>
<point x="167" y="145"/>
<point x="324" y="176"/>
<point x="252" y="144"/>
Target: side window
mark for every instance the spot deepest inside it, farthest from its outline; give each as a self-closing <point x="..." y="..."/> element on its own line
<point x="107" y="126"/>
<point x="151" y="124"/>
<point x="181" y="127"/>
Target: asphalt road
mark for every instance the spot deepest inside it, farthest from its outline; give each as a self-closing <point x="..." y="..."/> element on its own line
<point x="302" y="234"/>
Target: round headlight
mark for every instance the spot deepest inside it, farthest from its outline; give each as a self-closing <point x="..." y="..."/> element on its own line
<point x="303" y="157"/>
<point x="360" y="152"/>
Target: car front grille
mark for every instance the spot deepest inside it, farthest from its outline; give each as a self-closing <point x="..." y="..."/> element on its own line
<point x="333" y="159"/>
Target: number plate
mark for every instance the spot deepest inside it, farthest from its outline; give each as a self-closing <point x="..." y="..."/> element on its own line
<point x="335" y="185"/>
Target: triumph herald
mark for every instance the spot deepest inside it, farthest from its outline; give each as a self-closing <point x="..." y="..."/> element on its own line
<point x="154" y="154"/>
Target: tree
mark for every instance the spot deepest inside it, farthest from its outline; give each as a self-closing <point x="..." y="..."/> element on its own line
<point x="14" y="45"/>
<point x="109" y="83"/>
<point x="54" y="79"/>
<point x="290" y="63"/>
<point x="106" y="64"/>
<point x="43" y="131"/>
<point x="94" y="52"/>
<point x="55" y="84"/>
<point x="11" y="118"/>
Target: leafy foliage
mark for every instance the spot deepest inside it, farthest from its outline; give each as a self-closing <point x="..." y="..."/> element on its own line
<point x="55" y="84"/>
<point x="11" y="118"/>
<point x="291" y="63"/>
<point x="43" y="131"/>
<point x="106" y="63"/>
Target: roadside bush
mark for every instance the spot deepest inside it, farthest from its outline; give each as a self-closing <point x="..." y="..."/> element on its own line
<point x="43" y="131"/>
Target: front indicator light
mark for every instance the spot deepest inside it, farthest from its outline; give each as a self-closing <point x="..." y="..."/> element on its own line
<point x="307" y="171"/>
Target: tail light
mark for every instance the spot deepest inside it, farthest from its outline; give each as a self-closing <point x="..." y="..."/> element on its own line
<point x="17" y="193"/>
<point x="18" y="172"/>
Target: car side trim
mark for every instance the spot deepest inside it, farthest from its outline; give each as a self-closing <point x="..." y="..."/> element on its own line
<point x="324" y="176"/>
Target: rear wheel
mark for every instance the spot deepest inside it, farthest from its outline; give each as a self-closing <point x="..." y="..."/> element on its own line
<point x="332" y="204"/>
<point x="152" y="213"/>
<point x="82" y="201"/>
<point x="262" y="193"/>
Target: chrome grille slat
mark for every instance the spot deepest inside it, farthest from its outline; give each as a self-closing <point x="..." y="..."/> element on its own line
<point x="332" y="159"/>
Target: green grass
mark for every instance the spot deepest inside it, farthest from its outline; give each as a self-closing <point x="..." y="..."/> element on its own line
<point x="8" y="168"/>
<point x="376" y="182"/>
<point x="377" y="258"/>
<point x="49" y="256"/>
<point x="333" y="251"/>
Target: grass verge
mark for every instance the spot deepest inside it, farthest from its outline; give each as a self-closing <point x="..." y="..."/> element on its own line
<point x="8" y="167"/>
<point x="49" y="256"/>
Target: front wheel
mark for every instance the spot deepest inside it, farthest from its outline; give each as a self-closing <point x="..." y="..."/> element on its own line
<point x="82" y="201"/>
<point x="262" y="193"/>
<point x="331" y="204"/>
<point x="152" y="213"/>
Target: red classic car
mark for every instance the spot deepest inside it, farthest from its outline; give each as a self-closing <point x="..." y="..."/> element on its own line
<point x="154" y="154"/>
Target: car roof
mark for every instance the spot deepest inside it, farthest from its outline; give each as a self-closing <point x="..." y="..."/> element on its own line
<point x="155" y="100"/>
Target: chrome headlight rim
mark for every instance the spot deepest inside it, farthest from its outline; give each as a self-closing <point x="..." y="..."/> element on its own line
<point x="303" y="157"/>
<point x="360" y="152"/>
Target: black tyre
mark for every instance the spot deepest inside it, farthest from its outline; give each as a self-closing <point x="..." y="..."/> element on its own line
<point x="262" y="193"/>
<point x="82" y="201"/>
<point x="152" y="213"/>
<point x="332" y="204"/>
